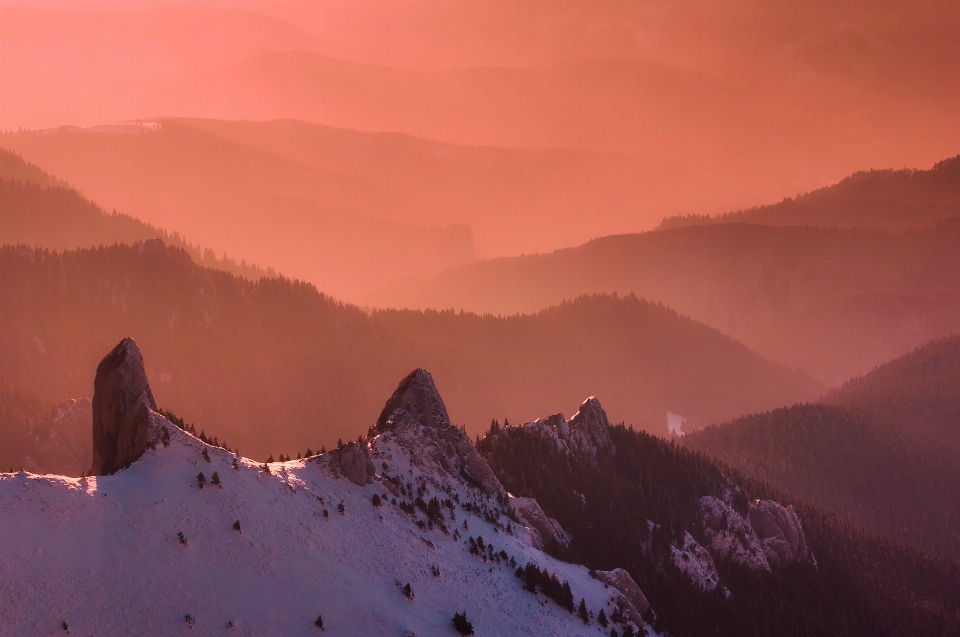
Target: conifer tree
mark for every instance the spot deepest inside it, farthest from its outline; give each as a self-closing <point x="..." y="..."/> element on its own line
<point x="236" y="526"/>
<point x="319" y="622"/>
<point x="201" y="480"/>
<point x="602" y="618"/>
<point x="582" y="611"/>
<point x="215" y="479"/>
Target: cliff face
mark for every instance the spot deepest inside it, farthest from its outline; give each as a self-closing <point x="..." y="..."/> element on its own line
<point x="122" y="402"/>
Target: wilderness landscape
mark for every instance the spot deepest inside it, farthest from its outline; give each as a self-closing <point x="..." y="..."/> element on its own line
<point x="415" y="317"/>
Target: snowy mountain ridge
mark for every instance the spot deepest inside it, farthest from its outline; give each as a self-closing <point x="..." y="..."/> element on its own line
<point x="391" y="535"/>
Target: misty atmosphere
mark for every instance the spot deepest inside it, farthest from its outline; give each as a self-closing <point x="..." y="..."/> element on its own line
<point x="480" y="317"/>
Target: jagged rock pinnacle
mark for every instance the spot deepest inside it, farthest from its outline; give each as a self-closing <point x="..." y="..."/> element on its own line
<point x="417" y="400"/>
<point x="417" y="395"/>
<point x="122" y="401"/>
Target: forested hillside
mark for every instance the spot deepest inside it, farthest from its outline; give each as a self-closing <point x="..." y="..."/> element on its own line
<point x="20" y="411"/>
<point x="917" y="394"/>
<point x="897" y="482"/>
<point x="864" y="584"/>
<point x="834" y="303"/>
<point x="275" y="366"/>
<point x="884" y="199"/>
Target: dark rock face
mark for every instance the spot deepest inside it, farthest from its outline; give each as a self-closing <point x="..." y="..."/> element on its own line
<point x="621" y="580"/>
<point x="589" y="427"/>
<point x="417" y="399"/>
<point x="780" y="532"/>
<point x="122" y="402"/>
<point x="353" y="461"/>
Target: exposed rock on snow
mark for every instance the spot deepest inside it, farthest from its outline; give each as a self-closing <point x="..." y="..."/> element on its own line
<point x="416" y="399"/>
<point x="549" y="529"/>
<point x="122" y="402"/>
<point x="621" y="580"/>
<point x="780" y="533"/>
<point x="586" y="433"/>
<point x="61" y="441"/>
<point x="353" y="461"/>
<point x="138" y="551"/>
<point x="695" y="562"/>
<point x="729" y="536"/>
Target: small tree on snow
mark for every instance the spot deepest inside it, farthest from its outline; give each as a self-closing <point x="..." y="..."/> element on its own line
<point x="319" y="622"/>
<point x="206" y="454"/>
<point x="201" y="480"/>
<point x="582" y="611"/>
<point x="236" y="526"/>
<point x="407" y="591"/>
<point x="602" y="618"/>
<point x="215" y="479"/>
<point x="462" y="624"/>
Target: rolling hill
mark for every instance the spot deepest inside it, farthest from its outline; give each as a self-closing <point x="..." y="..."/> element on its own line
<point x="882" y="199"/>
<point x="832" y="302"/>
<point x="274" y="365"/>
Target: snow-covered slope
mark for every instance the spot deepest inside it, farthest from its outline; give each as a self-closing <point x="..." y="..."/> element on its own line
<point x="106" y="556"/>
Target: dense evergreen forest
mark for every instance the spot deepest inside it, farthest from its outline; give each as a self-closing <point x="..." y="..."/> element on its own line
<point x="918" y="394"/>
<point x="865" y="584"/>
<point x="275" y="366"/>
<point x="20" y="412"/>
<point x="887" y="480"/>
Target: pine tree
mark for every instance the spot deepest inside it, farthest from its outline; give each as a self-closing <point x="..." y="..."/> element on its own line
<point x="602" y="618"/>
<point x="270" y="459"/>
<point x="235" y="465"/>
<point x="628" y="631"/>
<point x="215" y="479"/>
<point x="462" y="624"/>
<point x="319" y="622"/>
<point x="582" y="611"/>
<point x="201" y="480"/>
<point x="205" y="454"/>
<point x="407" y="591"/>
<point x="236" y="526"/>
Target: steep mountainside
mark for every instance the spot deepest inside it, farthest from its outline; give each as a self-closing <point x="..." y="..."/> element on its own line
<point x="882" y="199"/>
<point x="374" y="538"/>
<point x="833" y="302"/>
<point x="895" y="481"/>
<point x="917" y="394"/>
<point x="692" y="536"/>
<point x="274" y="365"/>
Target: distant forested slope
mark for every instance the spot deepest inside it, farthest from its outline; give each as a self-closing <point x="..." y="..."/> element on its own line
<point x="276" y="366"/>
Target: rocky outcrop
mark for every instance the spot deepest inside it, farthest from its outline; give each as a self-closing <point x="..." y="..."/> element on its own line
<point x="636" y="602"/>
<point x="696" y="563"/>
<point x="780" y="532"/>
<point x="729" y="536"/>
<point x="353" y="462"/>
<point x="416" y="401"/>
<point x="530" y="513"/>
<point x="122" y="402"/>
<point x="589" y="428"/>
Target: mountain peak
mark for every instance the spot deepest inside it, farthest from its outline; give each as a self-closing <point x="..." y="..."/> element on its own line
<point x="122" y="401"/>
<point x="417" y="395"/>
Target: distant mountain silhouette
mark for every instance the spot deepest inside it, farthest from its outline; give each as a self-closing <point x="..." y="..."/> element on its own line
<point x="43" y="211"/>
<point x="832" y="302"/>
<point x="276" y="366"/>
<point x="882" y="199"/>
<point x="308" y="223"/>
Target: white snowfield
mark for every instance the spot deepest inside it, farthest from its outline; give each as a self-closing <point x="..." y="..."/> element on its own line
<point x="103" y="554"/>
